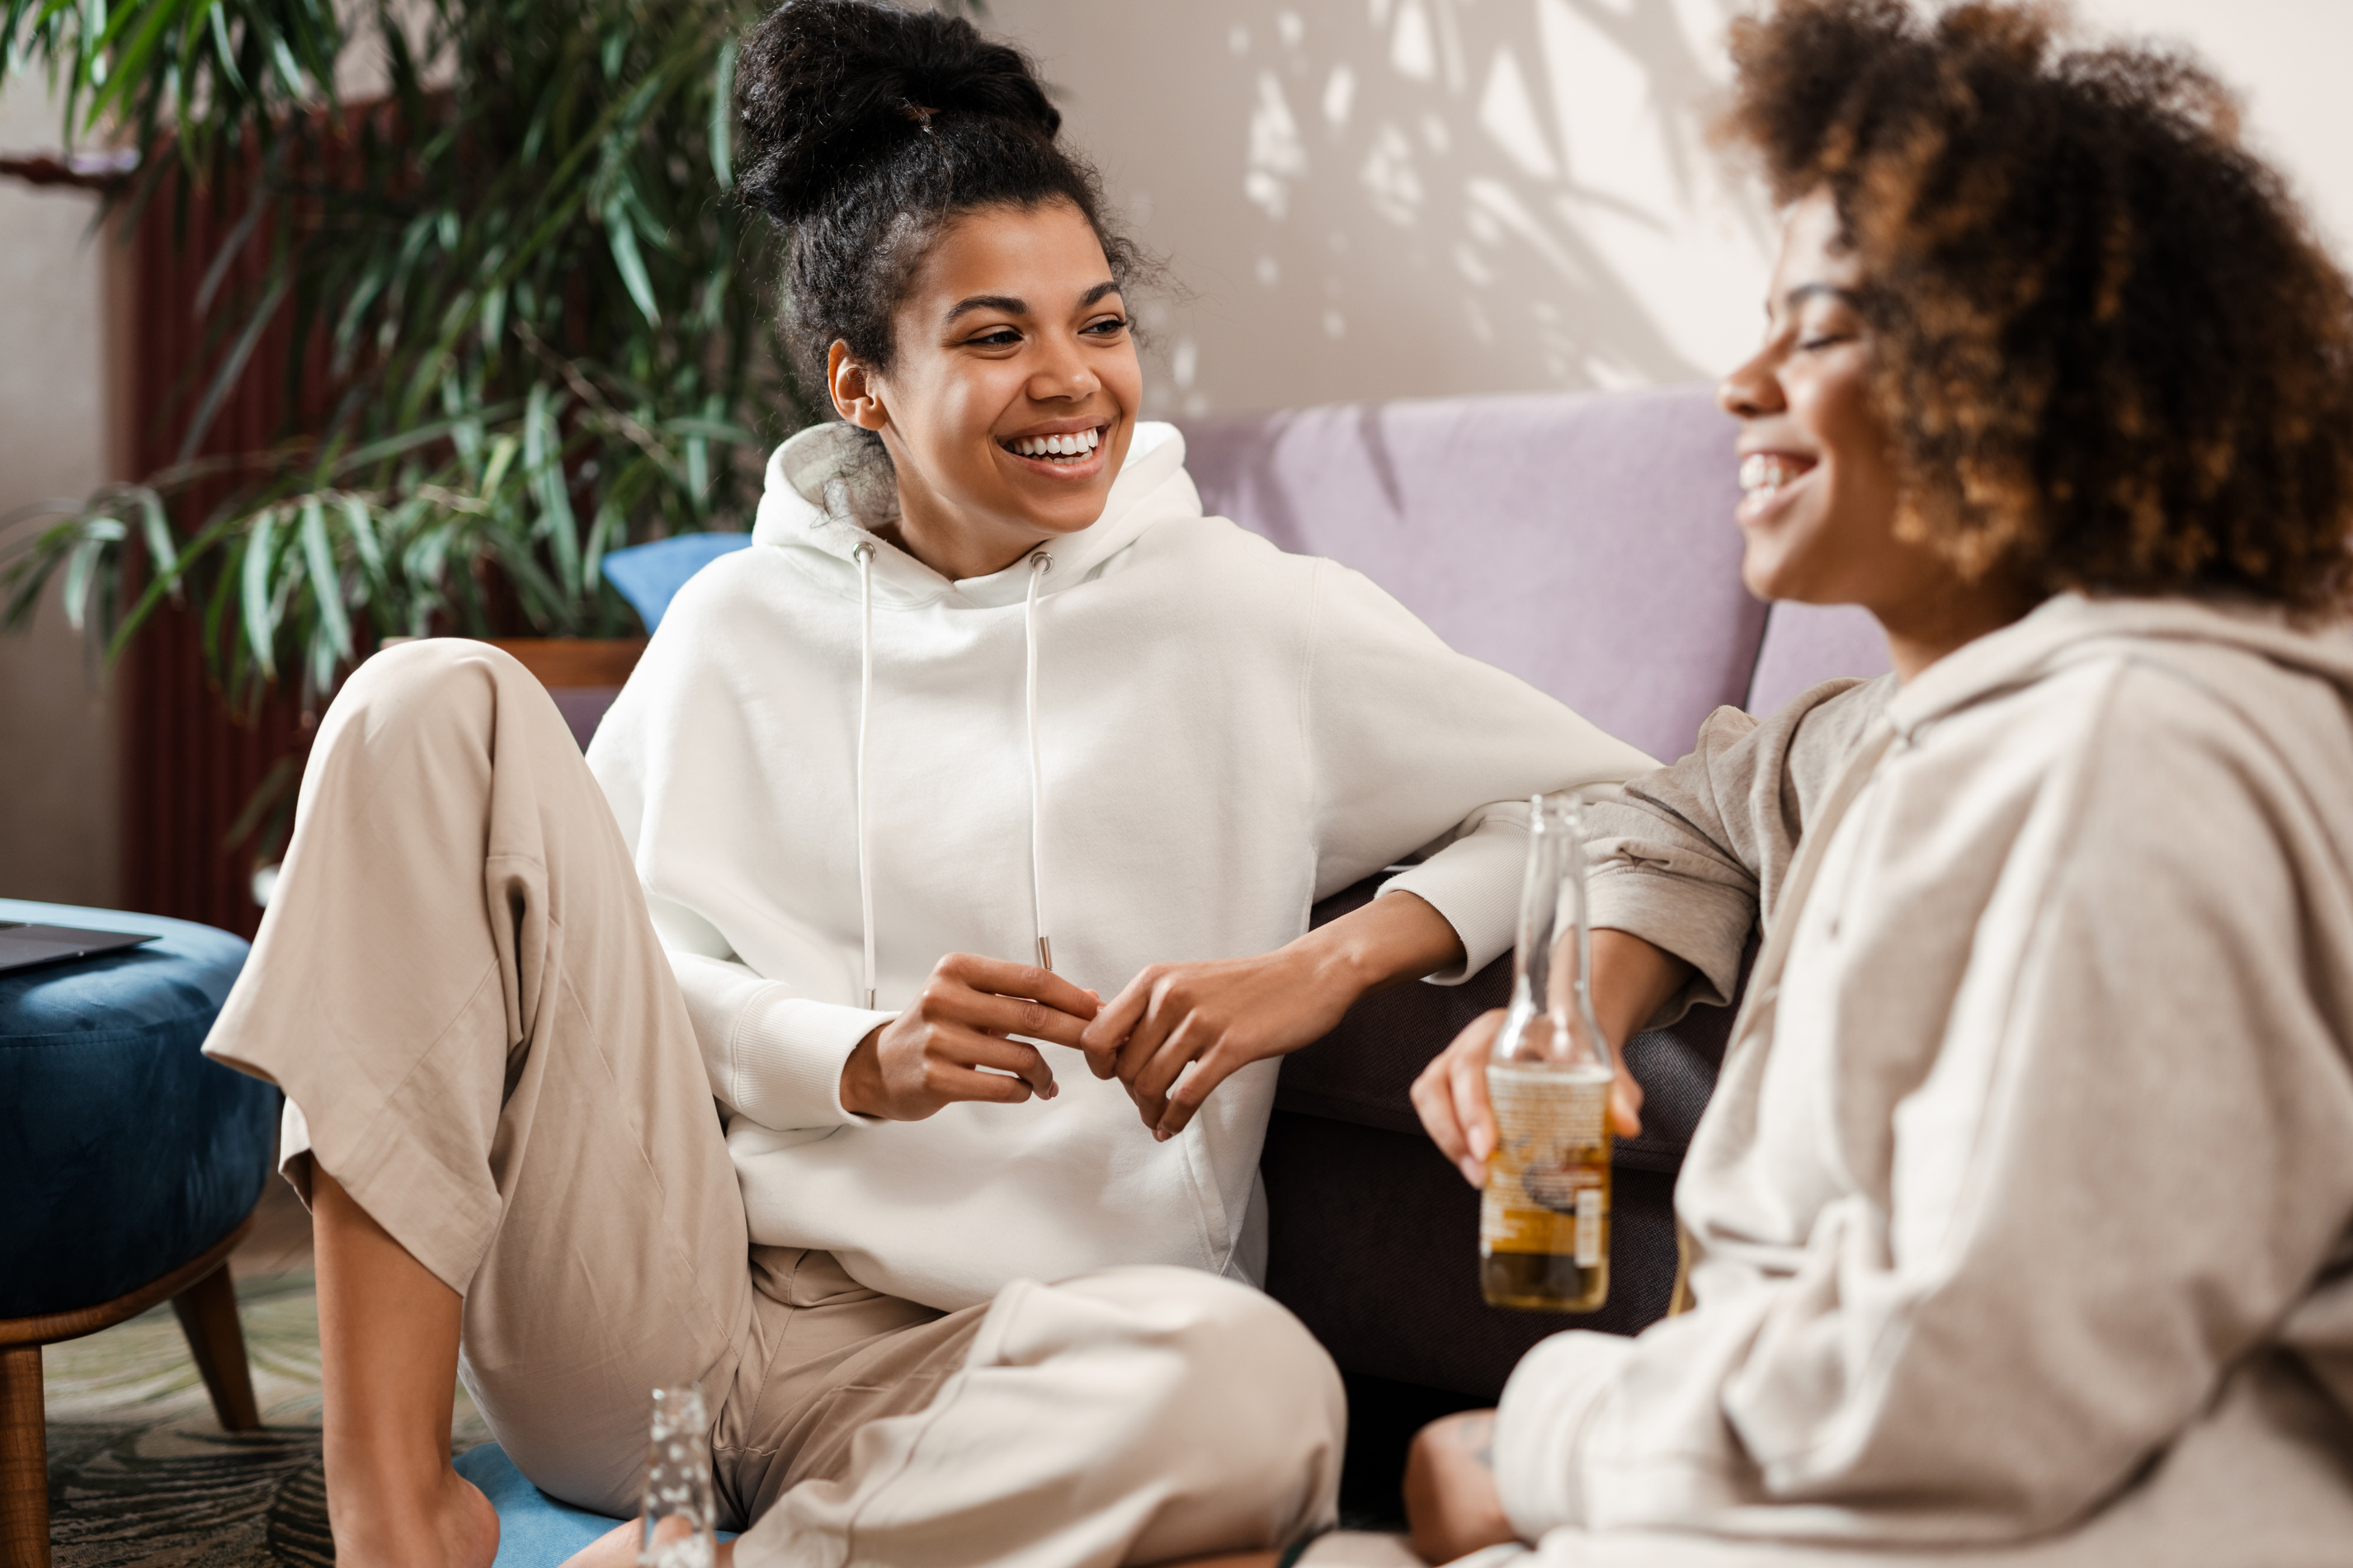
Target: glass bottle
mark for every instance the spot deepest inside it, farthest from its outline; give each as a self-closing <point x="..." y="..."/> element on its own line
<point x="1544" y="1215"/>
<point x="679" y="1514"/>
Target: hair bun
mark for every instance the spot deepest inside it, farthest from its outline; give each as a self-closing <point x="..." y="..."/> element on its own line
<point x="826" y="87"/>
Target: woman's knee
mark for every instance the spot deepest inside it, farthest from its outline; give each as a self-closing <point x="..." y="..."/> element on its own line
<point x="1218" y="1357"/>
<point x="432" y="689"/>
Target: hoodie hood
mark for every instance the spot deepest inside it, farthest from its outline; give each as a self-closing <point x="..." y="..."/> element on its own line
<point x="2072" y="626"/>
<point x="822" y="502"/>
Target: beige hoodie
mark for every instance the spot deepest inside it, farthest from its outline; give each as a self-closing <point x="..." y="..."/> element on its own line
<point x="2023" y="1212"/>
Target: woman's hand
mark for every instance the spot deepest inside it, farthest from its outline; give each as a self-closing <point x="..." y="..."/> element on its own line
<point x="1451" y="1096"/>
<point x="1216" y="1018"/>
<point x="1632" y="980"/>
<point x="952" y="1043"/>
<point x="1219" y="1017"/>
<point x="1451" y="1506"/>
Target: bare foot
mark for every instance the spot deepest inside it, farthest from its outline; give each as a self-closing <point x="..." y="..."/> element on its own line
<point x="456" y="1528"/>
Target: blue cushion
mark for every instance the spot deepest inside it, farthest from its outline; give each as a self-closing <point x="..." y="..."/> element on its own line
<point x="123" y="1151"/>
<point x="649" y="576"/>
<point x="535" y="1530"/>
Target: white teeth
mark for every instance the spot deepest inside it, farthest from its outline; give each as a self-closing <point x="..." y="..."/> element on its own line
<point x="1768" y="471"/>
<point x="1075" y="445"/>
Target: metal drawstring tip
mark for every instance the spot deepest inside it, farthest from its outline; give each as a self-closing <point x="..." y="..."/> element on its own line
<point x="1045" y="954"/>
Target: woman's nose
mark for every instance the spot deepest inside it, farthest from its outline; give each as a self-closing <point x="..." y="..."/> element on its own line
<point x="1064" y="373"/>
<point x="1751" y="390"/>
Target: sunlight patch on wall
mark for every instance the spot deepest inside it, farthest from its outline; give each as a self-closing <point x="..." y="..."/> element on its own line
<point x="1564" y="183"/>
<point x="1509" y="115"/>
<point x="1276" y="154"/>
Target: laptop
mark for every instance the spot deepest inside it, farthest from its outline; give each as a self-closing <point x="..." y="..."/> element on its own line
<point x="23" y="946"/>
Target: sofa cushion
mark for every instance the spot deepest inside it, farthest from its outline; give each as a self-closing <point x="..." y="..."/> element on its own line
<point x="1582" y="541"/>
<point x="1806" y="645"/>
<point x="123" y="1151"/>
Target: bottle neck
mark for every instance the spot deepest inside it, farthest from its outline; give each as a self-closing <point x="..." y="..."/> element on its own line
<point x="1552" y="1021"/>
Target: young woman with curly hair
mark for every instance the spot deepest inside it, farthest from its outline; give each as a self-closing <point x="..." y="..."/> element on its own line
<point x="957" y="839"/>
<point x="2021" y="1227"/>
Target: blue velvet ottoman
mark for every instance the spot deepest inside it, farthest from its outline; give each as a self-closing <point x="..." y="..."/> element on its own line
<point x="130" y="1164"/>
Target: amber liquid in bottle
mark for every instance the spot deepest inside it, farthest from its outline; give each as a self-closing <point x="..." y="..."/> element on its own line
<point x="1544" y="1217"/>
<point x="1543" y="1212"/>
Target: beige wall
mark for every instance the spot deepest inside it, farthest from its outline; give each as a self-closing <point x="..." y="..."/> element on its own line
<point x="58" y="834"/>
<point x="1382" y="198"/>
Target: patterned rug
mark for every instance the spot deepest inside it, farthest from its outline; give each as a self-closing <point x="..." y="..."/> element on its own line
<point x="140" y="1475"/>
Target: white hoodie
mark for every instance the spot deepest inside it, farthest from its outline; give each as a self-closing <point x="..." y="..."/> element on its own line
<point x="1221" y="735"/>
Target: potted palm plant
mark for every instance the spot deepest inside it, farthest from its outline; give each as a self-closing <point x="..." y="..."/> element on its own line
<point x="514" y="316"/>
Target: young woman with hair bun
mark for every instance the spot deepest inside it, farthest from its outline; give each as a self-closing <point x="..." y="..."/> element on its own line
<point x="958" y="838"/>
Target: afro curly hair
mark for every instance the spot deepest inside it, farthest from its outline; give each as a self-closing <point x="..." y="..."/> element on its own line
<point x="2111" y="352"/>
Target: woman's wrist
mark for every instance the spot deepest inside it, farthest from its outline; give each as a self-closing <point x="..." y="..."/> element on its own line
<point x="1398" y="937"/>
<point x="861" y="1076"/>
<point x="1633" y="979"/>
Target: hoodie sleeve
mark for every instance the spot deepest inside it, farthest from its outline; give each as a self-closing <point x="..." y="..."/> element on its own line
<point x="2058" y="1048"/>
<point x="1686" y="858"/>
<point x="1412" y="746"/>
<point x="772" y="1054"/>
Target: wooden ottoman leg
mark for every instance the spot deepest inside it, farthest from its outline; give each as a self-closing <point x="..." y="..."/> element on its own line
<point x="24" y="1460"/>
<point x="207" y="1312"/>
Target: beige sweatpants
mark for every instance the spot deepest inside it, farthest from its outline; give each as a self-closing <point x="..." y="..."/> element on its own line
<point x="458" y="986"/>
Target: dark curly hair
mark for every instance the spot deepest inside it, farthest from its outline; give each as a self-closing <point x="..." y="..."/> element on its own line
<point x="867" y="130"/>
<point x="2111" y="354"/>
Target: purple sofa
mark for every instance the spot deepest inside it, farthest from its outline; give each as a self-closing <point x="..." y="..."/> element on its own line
<point x="1585" y="543"/>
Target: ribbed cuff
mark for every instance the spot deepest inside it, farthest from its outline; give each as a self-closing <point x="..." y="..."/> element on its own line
<point x="791" y="1053"/>
<point x="1540" y="1429"/>
<point x="1474" y="882"/>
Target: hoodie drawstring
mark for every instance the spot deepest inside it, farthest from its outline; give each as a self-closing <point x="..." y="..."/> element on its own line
<point x="1039" y="565"/>
<point x="865" y="553"/>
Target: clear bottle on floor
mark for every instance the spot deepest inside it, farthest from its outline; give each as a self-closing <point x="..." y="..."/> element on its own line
<point x="679" y="1508"/>
<point x="1544" y="1215"/>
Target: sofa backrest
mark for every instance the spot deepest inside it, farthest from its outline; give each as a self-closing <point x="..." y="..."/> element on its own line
<point x="1582" y="541"/>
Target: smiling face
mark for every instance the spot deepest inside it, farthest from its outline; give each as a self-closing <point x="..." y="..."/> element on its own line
<point x="1011" y="396"/>
<point x="1817" y="471"/>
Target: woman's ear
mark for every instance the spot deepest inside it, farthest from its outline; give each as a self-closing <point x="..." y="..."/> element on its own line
<point x="856" y="396"/>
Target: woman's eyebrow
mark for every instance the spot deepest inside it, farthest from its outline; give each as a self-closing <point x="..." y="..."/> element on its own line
<point x="1108" y="286"/>
<point x="1005" y="302"/>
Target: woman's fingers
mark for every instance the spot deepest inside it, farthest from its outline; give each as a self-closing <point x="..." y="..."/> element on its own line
<point x="1104" y="1038"/>
<point x="1002" y="977"/>
<point x="1191" y="1090"/>
<point x="1625" y="1104"/>
<point x="956" y="1084"/>
<point x="1164" y="1010"/>
<point x="1014" y="1015"/>
<point x="1153" y="1061"/>
<point x="1465" y="1078"/>
<point x="1004" y="1056"/>
<point x="1433" y="1101"/>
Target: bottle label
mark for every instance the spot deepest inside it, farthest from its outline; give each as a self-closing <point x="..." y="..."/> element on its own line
<point x="1548" y="1182"/>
